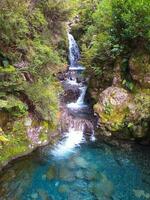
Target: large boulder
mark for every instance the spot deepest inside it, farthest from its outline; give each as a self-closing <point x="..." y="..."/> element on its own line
<point x="128" y="114"/>
<point x="112" y="107"/>
<point x="139" y="64"/>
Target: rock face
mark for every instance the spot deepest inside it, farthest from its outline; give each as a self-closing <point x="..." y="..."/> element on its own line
<point x="71" y="94"/>
<point x="139" y="65"/>
<point x="124" y="112"/>
<point x="114" y="95"/>
<point x="112" y="107"/>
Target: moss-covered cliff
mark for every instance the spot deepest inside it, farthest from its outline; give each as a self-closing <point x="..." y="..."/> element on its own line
<point x="32" y="51"/>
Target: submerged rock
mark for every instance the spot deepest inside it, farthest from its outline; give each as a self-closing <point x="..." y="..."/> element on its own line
<point x="91" y="175"/>
<point x="81" y="162"/>
<point x="79" y="174"/>
<point x="141" y="194"/>
<point x="103" y="189"/>
<point x="63" y="188"/>
<point x="51" y="173"/>
<point x="44" y="195"/>
<point x="66" y="174"/>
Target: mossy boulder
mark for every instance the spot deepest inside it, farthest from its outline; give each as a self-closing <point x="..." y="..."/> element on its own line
<point x="139" y="64"/>
<point x="124" y="113"/>
<point x="112" y="108"/>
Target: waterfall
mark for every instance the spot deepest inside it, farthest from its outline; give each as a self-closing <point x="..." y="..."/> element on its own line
<point x="75" y="69"/>
<point x="80" y="100"/>
<point x="74" y="53"/>
<point x="74" y="135"/>
<point x="76" y="129"/>
<point x="72" y="139"/>
<point x="79" y="104"/>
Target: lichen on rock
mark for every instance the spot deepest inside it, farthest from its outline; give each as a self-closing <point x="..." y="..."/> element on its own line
<point x="112" y="108"/>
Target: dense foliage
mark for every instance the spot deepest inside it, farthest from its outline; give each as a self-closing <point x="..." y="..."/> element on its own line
<point x="109" y="29"/>
<point x="32" y="41"/>
<point x="114" y="36"/>
<point x="32" y="51"/>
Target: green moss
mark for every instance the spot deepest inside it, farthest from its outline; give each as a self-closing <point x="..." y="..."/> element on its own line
<point x="45" y="99"/>
<point x="16" y="144"/>
<point x="112" y="117"/>
<point x="43" y="136"/>
<point x="9" y="69"/>
<point x="13" y="106"/>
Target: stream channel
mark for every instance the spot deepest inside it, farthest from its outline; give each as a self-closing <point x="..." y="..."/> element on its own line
<point x="79" y="166"/>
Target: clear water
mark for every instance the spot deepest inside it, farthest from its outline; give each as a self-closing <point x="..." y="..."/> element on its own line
<point x="78" y="168"/>
<point x="92" y="171"/>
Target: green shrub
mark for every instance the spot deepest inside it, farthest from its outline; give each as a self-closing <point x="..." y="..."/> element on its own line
<point x="44" y="95"/>
<point x="13" y="106"/>
<point x="109" y="29"/>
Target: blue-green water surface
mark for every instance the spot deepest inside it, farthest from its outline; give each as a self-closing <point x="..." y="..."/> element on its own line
<point x="93" y="171"/>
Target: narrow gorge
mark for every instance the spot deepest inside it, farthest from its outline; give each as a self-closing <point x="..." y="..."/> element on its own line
<point x="80" y="165"/>
<point x="75" y="100"/>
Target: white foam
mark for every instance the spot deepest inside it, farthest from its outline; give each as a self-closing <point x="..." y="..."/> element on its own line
<point x="76" y="106"/>
<point x="73" y="139"/>
<point x="93" y="138"/>
<point x="77" y="68"/>
<point x="72" y="82"/>
<point x="79" y="104"/>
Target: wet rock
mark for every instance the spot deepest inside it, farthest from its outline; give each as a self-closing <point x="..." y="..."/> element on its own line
<point x="66" y="174"/>
<point x="51" y="173"/>
<point x="102" y="189"/>
<point x="71" y="93"/>
<point x="61" y="76"/>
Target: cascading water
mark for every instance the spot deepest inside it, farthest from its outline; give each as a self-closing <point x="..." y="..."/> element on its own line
<point x="74" y="57"/>
<point x="72" y="139"/>
<point x="75" y="134"/>
<point x="80" y="100"/>
<point x="74" y="53"/>
<point x="79" y="104"/>
<point x="76" y="168"/>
